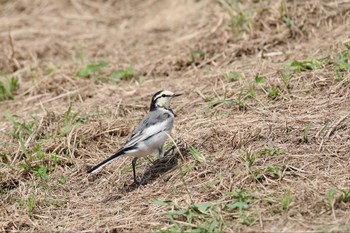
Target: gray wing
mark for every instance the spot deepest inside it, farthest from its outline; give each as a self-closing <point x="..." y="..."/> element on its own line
<point x="148" y="124"/>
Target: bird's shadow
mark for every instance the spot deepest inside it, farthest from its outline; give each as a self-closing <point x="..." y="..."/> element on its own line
<point x="158" y="167"/>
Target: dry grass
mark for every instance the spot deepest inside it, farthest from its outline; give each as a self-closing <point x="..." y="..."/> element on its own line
<point x="288" y="150"/>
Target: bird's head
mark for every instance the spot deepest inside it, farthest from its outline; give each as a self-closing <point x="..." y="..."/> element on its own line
<point x="161" y="99"/>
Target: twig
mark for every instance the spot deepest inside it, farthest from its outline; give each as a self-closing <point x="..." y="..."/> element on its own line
<point x="177" y="148"/>
<point x="12" y="57"/>
<point x="107" y="131"/>
<point x="78" y="7"/>
<point x="61" y="96"/>
<point x="12" y="47"/>
<point x="330" y="131"/>
<point x="118" y="107"/>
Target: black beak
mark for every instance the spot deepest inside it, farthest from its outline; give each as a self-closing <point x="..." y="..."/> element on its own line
<point x="177" y="94"/>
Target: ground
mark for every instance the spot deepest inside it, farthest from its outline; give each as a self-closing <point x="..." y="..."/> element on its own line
<point x="261" y="135"/>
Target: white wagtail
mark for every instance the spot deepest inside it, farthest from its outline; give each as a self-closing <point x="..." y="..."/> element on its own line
<point x="150" y="135"/>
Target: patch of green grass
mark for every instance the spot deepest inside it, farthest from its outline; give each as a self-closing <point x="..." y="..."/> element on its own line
<point x="7" y="87"/>
<point x="198" y="159"/>
<point x="30" y="204"/>
<point x="324" y="128"/>
<point x="241" y="202"/>
<point x="250" y="92"/>
<point x="270" y="152"/>
<point x="36" y="161"/>
<point x="347" y="46"/>
<point x="259" y="79"/>
<point x="199" y="217"/>
<point x="19" y="129"/>
<point x="5" y="160"/>
<point x="240" y="101"/>
<point x="286" y="200"/>
<point x="285" y="78"/>
<point x="40" y="171"/>
<point x="306" y="132"/>
<point x="39" y="167"/>
<point x="70" y="122"/>
<point x="341" y="62"/>
<point x="335" y="195"/>
<point x="127" y="169"/>
<point x="256" y="83"/>
<point x="195" y="55"/>
<point x="233" y="76"/>
<point x="57" y="202"/>
<point x="206" y="98"/>
<point x="52" y="69"/>
<point x="79" y="55"/>
<point x="124" y="74"/>
<point x="240" y="19"/>
<point x="307" y="65"/>
<point x="225" y="101"/>
<point x="54" y="159"/>
<point x="25" y="166"/>
<point x="207" y="217"/>
<point x="344" y="195"/>
<point x="91" y="70"/>
<point x="95" y="71"/>
<point x="250" y="160"/>
<point x="330" y="197"/>
<point x="278" y="203"/>
<point x="273" y="93"/>
<point x="284" y="17"/>
<point x="24" y="149"/>
<point x="268" y="171"/>
<point x="218" y="179"/>
<point x="274" y="172"/>
<point x="62" y="179"/>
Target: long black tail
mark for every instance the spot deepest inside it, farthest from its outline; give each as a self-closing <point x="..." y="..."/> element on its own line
<point x="105" y="162"/>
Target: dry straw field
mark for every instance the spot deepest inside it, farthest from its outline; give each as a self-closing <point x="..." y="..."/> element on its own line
<point x="262" y="130"/>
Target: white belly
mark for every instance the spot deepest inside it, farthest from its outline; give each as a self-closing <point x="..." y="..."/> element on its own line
<point x="152" y="145"/>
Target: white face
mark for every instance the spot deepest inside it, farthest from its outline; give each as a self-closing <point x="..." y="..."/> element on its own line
<point x="163" y="99"/>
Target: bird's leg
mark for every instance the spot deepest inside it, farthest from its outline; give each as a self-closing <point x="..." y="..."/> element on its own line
<point x="161" y="152"/>
<point x="134" y="169"/>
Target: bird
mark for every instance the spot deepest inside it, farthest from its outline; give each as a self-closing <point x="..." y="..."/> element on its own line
<point x="149" y="135"/>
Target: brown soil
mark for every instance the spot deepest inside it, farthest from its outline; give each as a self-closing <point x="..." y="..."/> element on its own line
<point x="300" y="136"/>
